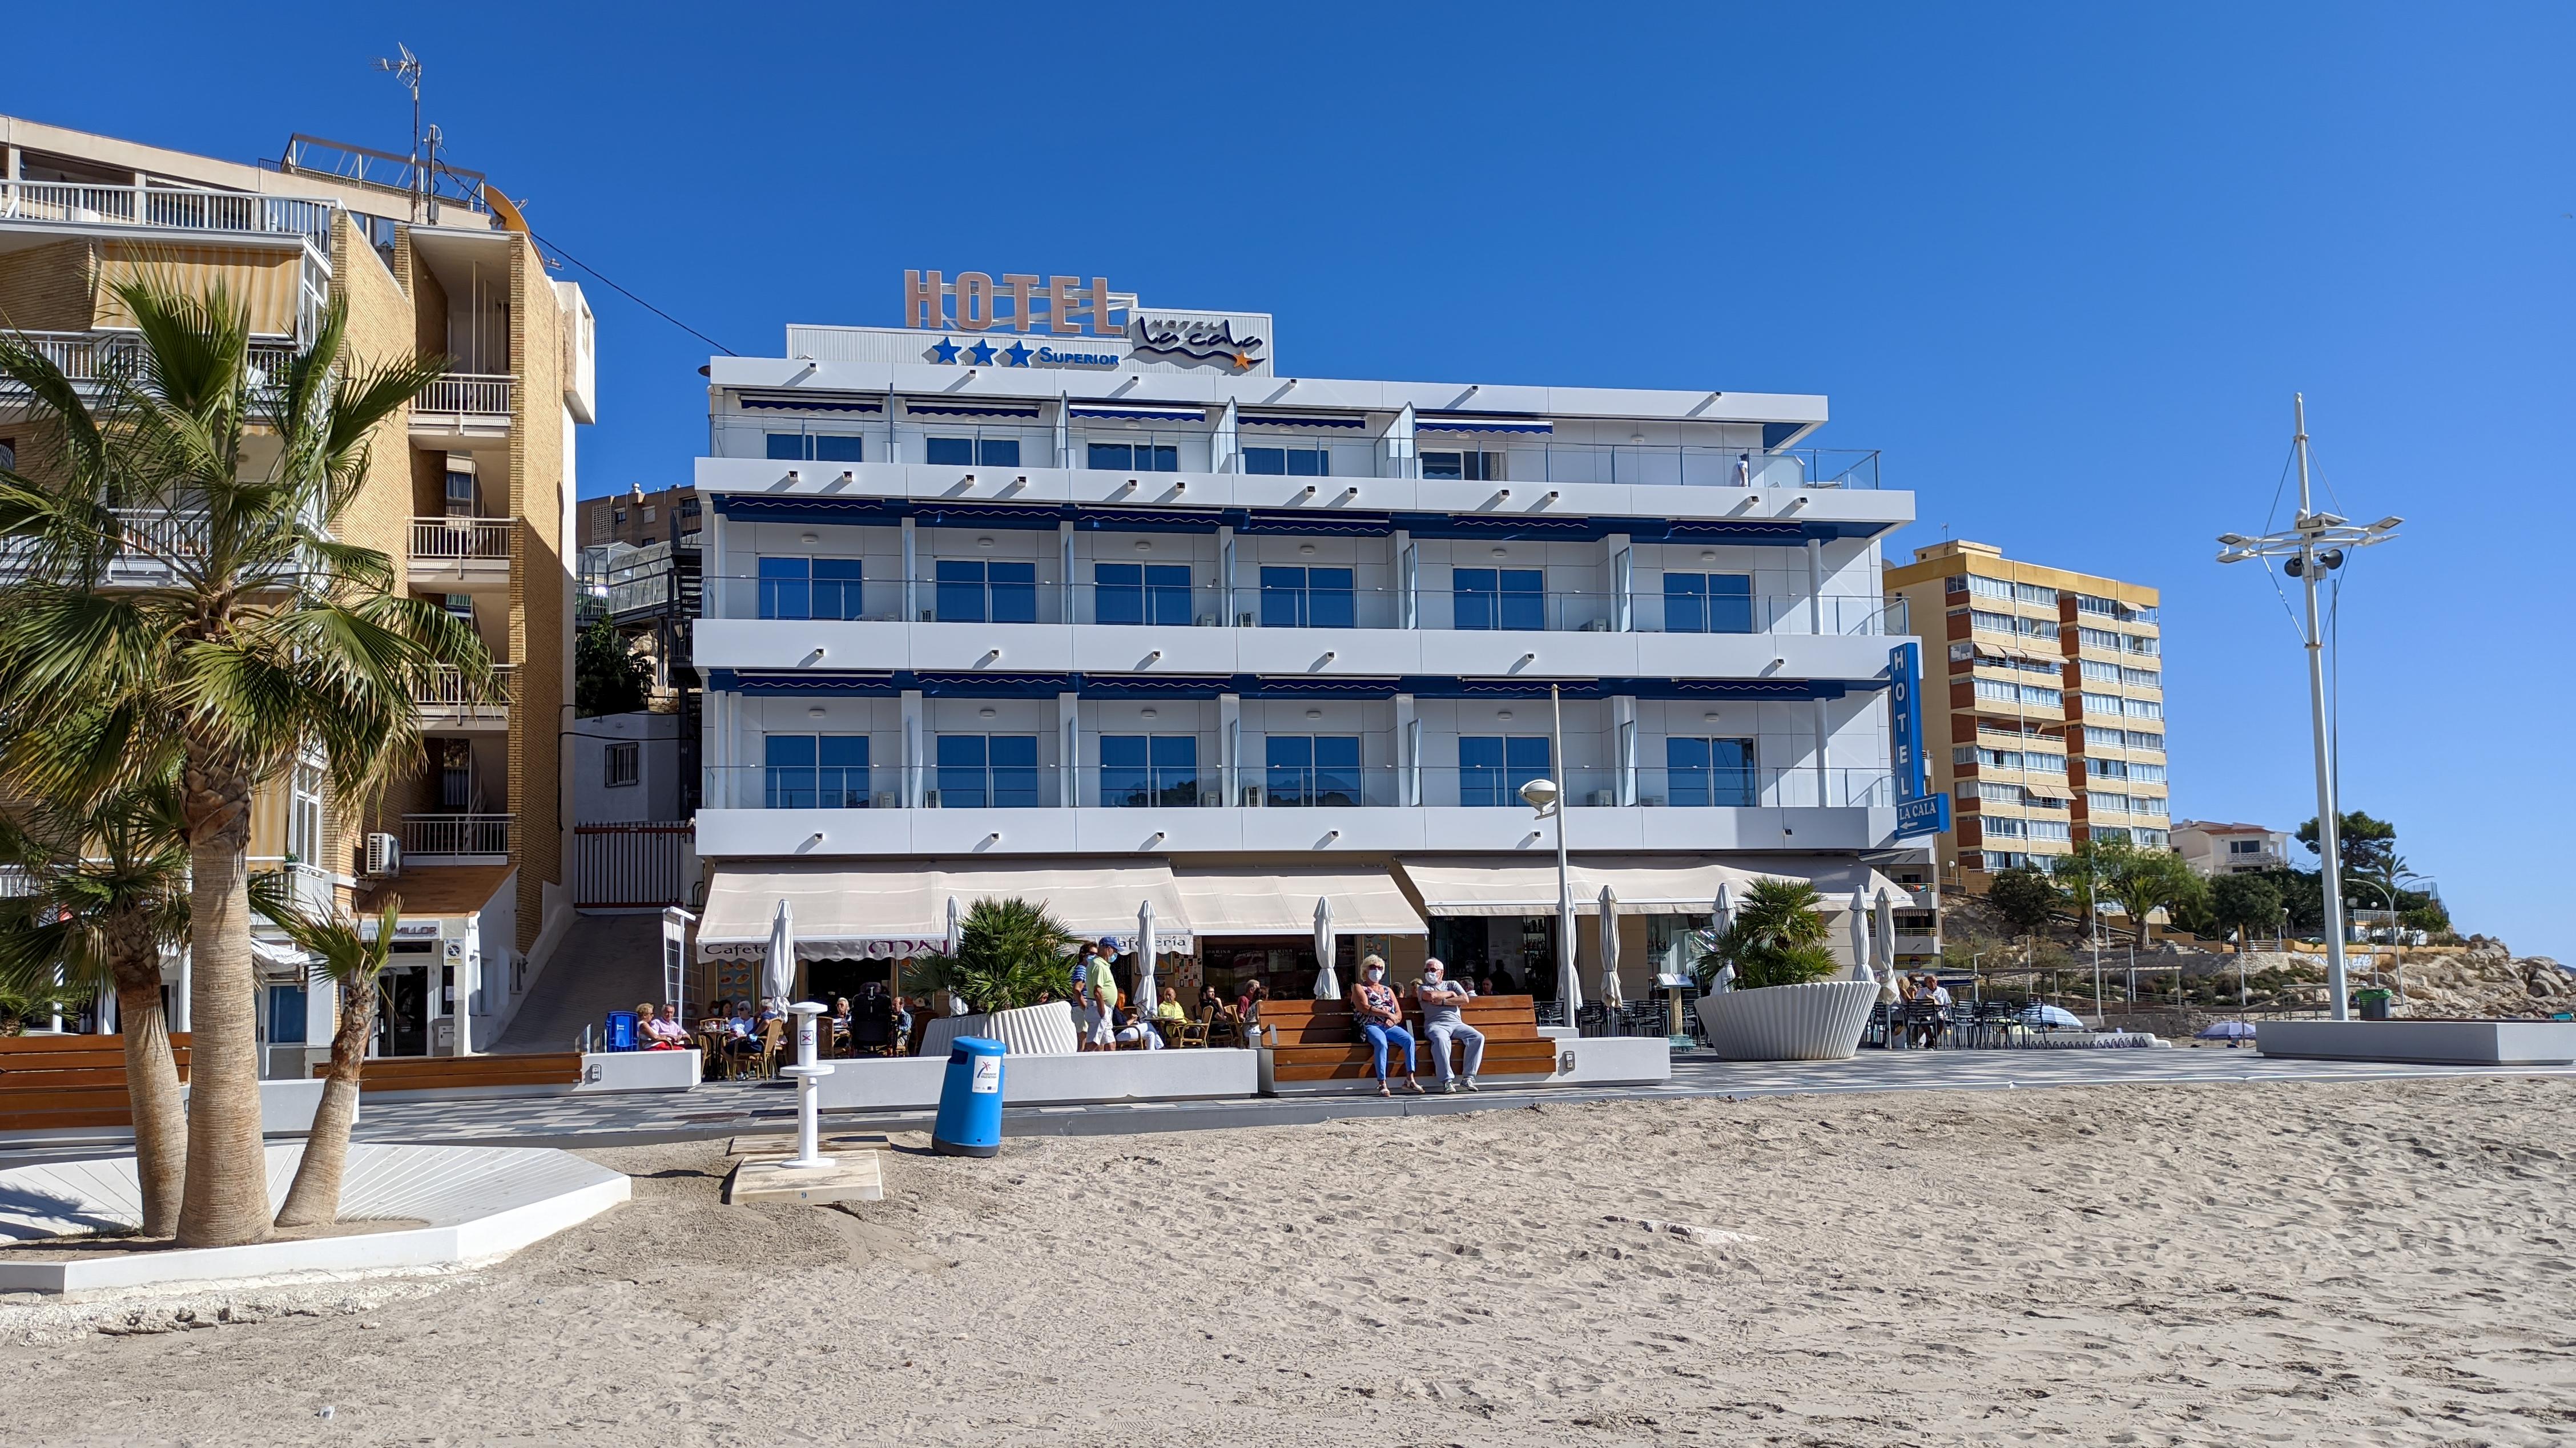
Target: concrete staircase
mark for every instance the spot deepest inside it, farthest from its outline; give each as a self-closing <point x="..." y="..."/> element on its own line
<point x="604" y="963"/>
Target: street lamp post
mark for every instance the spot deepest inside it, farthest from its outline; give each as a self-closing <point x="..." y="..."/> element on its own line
<point x="2317" y="543"/>
<point x="1547" y="796"/>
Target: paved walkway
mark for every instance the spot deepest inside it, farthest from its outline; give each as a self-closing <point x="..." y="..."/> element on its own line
<point x="725" y="1109"/>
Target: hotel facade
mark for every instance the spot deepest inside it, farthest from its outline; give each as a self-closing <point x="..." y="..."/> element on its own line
<point x="469" y="493"/>
<point x="2051" y="729"/>
<point x="1048" y="593"/>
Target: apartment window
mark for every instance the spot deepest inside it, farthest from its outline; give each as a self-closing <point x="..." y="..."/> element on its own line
<point x="2101" y="703"/>
<point x="2047" y="830"/>
<point x="2150" y="839"/>
<point x="2088" y="603"/>
<point x="1498" y="598"/>
<point x="2142" y="708"/>
<point x="1980" y="586"/>
<point x="971" y="452"/>
<point x="624" y="765"/>
<point x="2004" y="691"/>
<point x="2001" y="827"/>
<point x="1709" y="773"/>
<point x="2002" y="623"/>
<point x="1306" y="598"/>
<point x="2138" y="740"/>
<point x="1959" y="653"/>
<point x="988" y="771"/>
<point x="460" y="497"/>
<point x="648" y="514"/>
<point x="1137" y="770"/>
<point x="1312" y="769"/>
<point x="1142" y="457"/>
<point x="304" y="814"/>
<point x="2100" y="672"/>
<point x="1141" y="593"/>
<point x="2034" y="593"/>
<point x="2117" y="834"/>
<point x="2106" y="768"/>
<point x="1293" y="462"/>
<point x="2000" y="793"/>
<point x="2142" y="678"/>
<point x="2244" y="847"/>
<point x="1965" y="755"/>
<point x="2105" y="800"/>
<point x="8" y="452"/>
<point x="618" y="517"/>
<point x="1474" y="467"/>
<point x="1493" y="767"/>
<point x="2100" y="738"/>
<point x="979" y="592"/>
<point x="816" y="771"/>
<point x="1955" y="583"/>
<point x="285" y="1015"/>
<point x="802" y="587"/>
<point x="2147" y="804"/>
<point x="807" y="447"/>
<point x="1708" y="603"/>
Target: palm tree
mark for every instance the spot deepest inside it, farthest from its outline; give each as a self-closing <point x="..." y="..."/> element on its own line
<point x="1010" y="953"/>
<point x="2146" y="881"/>
<point x="267" y="635"/>
<point x="1777" y="937"/>
<point x="106" y="891"/>
<point x="344" y="954"/>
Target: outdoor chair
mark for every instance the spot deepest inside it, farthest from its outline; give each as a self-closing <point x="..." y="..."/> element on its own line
<point x="1876" y="1032"/>
<point x="1923" y="1019"/>
<point x="773" y="1044"/>
<point x="1190" y="1034"/>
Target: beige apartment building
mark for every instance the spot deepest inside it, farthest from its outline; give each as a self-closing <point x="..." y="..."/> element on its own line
<point x="2054" y="709"/>
<point x="470" y="492"/>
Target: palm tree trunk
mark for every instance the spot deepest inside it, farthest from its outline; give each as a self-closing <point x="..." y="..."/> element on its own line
<point x="152" y="1085"/>
<point x="315" y="1197"/>
<point x="226" y="1199"/>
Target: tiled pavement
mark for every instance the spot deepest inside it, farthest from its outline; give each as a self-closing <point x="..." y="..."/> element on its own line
<point x="727" y="1109"/>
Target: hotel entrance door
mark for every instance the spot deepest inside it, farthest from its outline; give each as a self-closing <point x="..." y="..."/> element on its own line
<point x="402" y="1011"/>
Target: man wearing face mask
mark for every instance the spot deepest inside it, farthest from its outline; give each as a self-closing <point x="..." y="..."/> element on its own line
<point x="1444" y="1023"/>
<point x="1380" y="1013"/>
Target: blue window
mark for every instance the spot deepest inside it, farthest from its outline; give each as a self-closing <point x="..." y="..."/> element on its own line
<point x="811" y="447"/>
<point x="1291" y="462"/>
<point x="1312" y="769"/>
<point x="979" y="592"/>
<point x="988" y="771"/>
<point x="1142" y="457"/>
<point x="1149" y="769"/>
<point x="991" y="452"/>
<point x="817" y="771"/>
<point x="285" y="1015"/>
<point x="1491" y="598"/>
<point x="810" y="588"/>
<point x="1474" y="467"/>
<point x="1493" y="767"/>
<point x="1141" y="593"/>
<point x="1709" y="772"/>
<point x="1306" y="598"/>
<point x="1708" y="603"/>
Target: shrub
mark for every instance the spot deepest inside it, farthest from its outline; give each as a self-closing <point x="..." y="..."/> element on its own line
<point x="1778" y="937"/>
<point x="1010" y="953"/>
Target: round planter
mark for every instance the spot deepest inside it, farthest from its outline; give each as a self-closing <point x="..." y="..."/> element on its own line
<point x="1819" y="1021"/>
<point x="1045" y="1030"/>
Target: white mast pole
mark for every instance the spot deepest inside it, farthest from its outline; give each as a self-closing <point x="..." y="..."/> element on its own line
<point x="2329" y="823"/>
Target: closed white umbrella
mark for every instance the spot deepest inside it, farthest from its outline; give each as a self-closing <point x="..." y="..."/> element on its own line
<point x="1146" y="995"/>
<point x="956" y="929"/>
<point x="778" y="966"/>
<point x="1610" y="994"/>
<point x="1859" y="922"/>
<point x="1720" y="920"/>
<point x="1328" y="986"/>
<point x="1885" y="944"/>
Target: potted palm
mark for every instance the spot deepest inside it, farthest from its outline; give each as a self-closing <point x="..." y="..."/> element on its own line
<point x="1784" y="1005"/>
<point x="1013" y="968"/>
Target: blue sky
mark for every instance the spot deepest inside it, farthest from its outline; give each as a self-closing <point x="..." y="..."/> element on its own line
<point x="2064" y="264"/>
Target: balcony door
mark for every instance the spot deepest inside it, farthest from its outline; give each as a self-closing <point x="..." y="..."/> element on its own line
<point x="1312" y="769"/>
<point x="1709" y="772"/>
<point x="988" y="771"/>
<point x="1306" y="598"/>
<point x="1138" y="770"/>
<point x="1499" y="598"/>
<point x="1493" y="767"/>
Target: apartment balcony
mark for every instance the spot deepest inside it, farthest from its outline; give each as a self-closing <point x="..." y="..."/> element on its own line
<point x="306" y="888"/>
<point x="167" y="208"/>
<point x="458" y="839"/>
<point x="462" y="555"/>
<point x="88" y="360"/>
<point x="464" y="406"/>
<point x="450" y="705"/>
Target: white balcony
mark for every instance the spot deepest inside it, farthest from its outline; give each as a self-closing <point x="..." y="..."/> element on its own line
<point x="462" y="555"/>
<point x="449" y="705"/>
<point x="88" y="359"/>
<point x="464" y="405"/>
<point x="457" y="839"/>
<point x="79" y="204"/>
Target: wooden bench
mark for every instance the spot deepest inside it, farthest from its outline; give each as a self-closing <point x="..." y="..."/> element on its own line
<point x="1321" y="1041"/>
<point x="52" y="1083"/>
<point x="387" y="1074"/>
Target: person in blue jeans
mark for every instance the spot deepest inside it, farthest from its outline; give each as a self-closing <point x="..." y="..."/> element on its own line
<point x="1380" y="1013"/>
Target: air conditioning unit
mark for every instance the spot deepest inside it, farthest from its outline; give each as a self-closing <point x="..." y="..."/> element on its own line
<point x="930" y="799"/>
<point x="1596" y="625"/>
<point x="1243" y="620"/>
<point x="1252" y="796"/>
<point x="885" y="799"/>
<point x="1207" y="620"/>
<point x="1211" y="799"/>
<point x="930" y="615"/>
<point x="1601" y="799"/>
<point x="384" y="855"/>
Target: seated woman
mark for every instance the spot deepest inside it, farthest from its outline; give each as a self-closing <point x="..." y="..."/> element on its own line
<point x="1380" y="1012"/>
<point x="660" y="1032"/>
<point x="1169" y="1008"/>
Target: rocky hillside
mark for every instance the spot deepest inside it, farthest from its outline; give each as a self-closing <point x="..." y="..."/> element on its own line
<point x="2487" y="979"/>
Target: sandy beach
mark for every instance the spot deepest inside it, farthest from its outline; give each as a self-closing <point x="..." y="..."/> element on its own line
<point x="2369" y="1263"/>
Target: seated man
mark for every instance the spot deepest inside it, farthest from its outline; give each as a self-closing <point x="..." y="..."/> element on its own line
<point x="1380" y="1013"/>
<point x="661" y="1032"/>
<point x="741" y="1031"/>
<point x="1444" y="1023"/>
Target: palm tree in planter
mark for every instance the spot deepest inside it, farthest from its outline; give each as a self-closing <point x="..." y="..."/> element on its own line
<point x="353" y="960"/>
<point x="106" y="890"/>
<point x="252" y="633"/>
<point x="1785" y="1005"/>
<point x="1010" y="954"/>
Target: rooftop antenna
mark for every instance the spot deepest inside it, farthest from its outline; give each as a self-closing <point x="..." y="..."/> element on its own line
<point x="407" y="71"/>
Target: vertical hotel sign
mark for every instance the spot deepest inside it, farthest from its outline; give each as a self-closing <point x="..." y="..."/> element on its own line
<point x="1918" y="810"/>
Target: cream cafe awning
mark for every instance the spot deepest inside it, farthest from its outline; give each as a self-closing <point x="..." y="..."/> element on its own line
<point x="887" y="909"/>
<point x="1280" y="900"/>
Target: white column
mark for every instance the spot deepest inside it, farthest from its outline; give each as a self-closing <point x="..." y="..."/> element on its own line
<point x="1824" y="731"/>
<point x="715" y="595"/>
<point x="1063" y="432"/>
<point x="915" y="750"/>
<point x="1228" y="443"/>
<point x="1815" y="585"/>
<point x="1225" y="576"/>
<point x="894" y="450"/>
<point x="1408" y="752"/>
<point x="911" y="573"/>
<point x="1069" y="748"/>
<point x="1229" y="747"/>
<point x="1408" y="572"/>
<point x="1064" y="560"/>
<point x="1623" y="727"/>
<point x="1399" y="446"/>
<point x="178" y="1012"/>
<point x="1623" y="583"/>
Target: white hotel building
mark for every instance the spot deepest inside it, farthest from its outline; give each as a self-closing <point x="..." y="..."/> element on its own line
<point x="1126" y="616"/>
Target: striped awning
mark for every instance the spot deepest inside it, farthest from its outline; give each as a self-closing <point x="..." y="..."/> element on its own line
<point x="1299" y="419"/>
<point x="1454" y="422"/>
<point x="1136" y="411"/>
<point x="939" y="407"/>
<point x="772" y="402"/>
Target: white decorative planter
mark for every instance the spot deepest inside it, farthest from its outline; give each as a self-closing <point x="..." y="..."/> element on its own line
<point x="1819" y="1021"/>
<point x="1045" y="1030"/>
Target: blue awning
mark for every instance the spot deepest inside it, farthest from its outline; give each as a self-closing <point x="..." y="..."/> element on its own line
<point x="1455" y="423"/>
<point x="1139" y="411"/>
<point x="775" y="403"/>
<point x="934" y="407"/>
<point x="1275" y="419"/>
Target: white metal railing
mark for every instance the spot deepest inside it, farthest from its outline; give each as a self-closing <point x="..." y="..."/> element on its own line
<point x="467" y="394"/>
<point x="167" y="206"/>
<point x="447" y="696"/>
<point x="482" y="539"/>
<point x="308" y="887"/>
<point x="160" y="535"/>
<point x="90" y="357"/>
<point x="457" y="834"/>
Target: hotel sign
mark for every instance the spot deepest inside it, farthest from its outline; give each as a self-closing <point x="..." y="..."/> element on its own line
<point x="1012" y="302"/>
<point x="1918" y="810"/>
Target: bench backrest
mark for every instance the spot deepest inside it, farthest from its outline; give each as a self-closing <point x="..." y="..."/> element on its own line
<point x="50" y="1063"/>
<point x="1330" y="1023"/>
<point x="429" y="1073"/>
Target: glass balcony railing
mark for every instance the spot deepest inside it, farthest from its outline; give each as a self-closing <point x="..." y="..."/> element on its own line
<point x="1286" y="598"/>
<point x="1281" y="786"/>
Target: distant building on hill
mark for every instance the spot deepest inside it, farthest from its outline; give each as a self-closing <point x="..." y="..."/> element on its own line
<point x="2222" y="849"/>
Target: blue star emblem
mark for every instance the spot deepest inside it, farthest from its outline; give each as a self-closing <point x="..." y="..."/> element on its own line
<point x="982" y="352"/>
<point x="1019" y="354"/>
<point x="945" y="350"/>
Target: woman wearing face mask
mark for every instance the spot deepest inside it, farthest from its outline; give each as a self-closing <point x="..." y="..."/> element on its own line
<point x="1380" y="1013"/>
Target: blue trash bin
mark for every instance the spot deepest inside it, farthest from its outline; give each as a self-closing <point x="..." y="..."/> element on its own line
<point x="621" y="1032"/>
<point x="970" y="1099"/>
